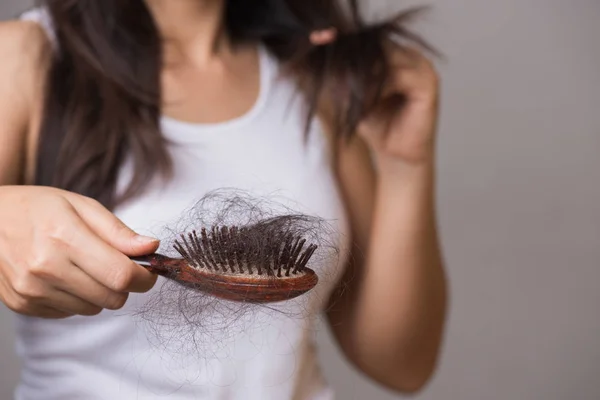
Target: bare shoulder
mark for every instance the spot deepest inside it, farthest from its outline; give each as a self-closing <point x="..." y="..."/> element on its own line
<point x="24" y="37"/>
<point x="24" y="51"/>
<point x="24" y="54"/>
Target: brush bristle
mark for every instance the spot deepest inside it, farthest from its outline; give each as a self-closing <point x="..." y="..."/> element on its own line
<point x="240" y="251"/>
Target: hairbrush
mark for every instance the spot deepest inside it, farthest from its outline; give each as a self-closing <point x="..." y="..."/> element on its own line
<point x="238" y="264"/>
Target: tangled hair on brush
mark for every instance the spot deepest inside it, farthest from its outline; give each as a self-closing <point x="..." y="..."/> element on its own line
<point x="189" y="321"/>
<point x="103" y="94"/>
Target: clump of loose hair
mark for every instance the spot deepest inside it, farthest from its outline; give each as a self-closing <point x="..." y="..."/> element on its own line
<point x="190" y="321"/>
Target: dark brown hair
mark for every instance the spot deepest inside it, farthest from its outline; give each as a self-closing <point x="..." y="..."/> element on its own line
<point x="103" y="96"/>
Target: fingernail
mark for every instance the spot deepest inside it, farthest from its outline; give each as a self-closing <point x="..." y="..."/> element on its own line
<point x="145" y="239"/>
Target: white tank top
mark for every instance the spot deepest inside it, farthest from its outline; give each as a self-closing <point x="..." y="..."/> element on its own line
<point x="263" y="355"/>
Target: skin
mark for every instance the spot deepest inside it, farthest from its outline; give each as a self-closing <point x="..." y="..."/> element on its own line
<point x="389" y="318"/>
<point x="62" y="254"/>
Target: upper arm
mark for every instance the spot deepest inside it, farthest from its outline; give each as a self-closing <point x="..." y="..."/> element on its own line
<point x="22" y="51"/>
<point x="357" y="181"/>
<point x="356" y="176"/>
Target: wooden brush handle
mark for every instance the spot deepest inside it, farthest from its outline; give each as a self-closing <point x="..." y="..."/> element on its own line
<point x="159" y="264"/>
<point x="240" y="288"/>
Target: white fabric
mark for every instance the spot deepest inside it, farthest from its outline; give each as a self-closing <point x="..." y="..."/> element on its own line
<point x="113" y="356"/>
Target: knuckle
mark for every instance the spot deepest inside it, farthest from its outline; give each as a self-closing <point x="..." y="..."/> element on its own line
<point x="17" y="304"/>
<point x="90" y="201"/>
<point x="119" y="229"/>
<point x="116" y="301"/>
<point x="59" y="233"/>
<point x="434" y="75"/>
<point x="91" y="311"/>
<point x="430" y="70"/>
<point x="39" y="265"/>
<point x="120" y="278"/>
<point x="25" y="285"/>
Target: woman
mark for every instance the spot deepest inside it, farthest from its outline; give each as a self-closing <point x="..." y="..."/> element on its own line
<point x="118" y="114"/>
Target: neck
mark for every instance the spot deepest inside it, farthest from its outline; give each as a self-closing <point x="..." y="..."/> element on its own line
<point x="192" y="28"/>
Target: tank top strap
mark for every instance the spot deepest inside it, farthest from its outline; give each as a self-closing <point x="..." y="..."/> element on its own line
<point x="40" y="15"/>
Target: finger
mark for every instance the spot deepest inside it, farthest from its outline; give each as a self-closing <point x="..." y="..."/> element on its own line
<point x="69" y="304"/>
<point x="404" y="56"/>
<point x="105" y="264"/>
<point x="110" y="228"/>
<point x="46" y="313"/>
<point x="377" y="122"/>
<point x="55" y="271"/>
<point x="38" y="293"/>
<point x="21" y="306"/>
<point x="80" y="285"/>
<point x="411" y="71"/>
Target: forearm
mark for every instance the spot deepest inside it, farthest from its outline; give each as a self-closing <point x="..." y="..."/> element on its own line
<point x="396" y="310"/>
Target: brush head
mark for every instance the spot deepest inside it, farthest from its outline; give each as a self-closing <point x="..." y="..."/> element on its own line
<point x="248" y="264"/>
<point x="239" y="252"/>
<point x="254" y="264"/>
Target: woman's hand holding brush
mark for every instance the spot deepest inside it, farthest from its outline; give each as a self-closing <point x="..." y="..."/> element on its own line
<point x="62" y="254"/>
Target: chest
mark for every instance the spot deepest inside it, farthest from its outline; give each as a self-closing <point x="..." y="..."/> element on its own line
<point x="265" y="158"/>
<point x="215" y="90"/>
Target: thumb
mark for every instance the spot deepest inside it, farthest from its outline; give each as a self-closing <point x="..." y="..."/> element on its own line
<point x="110" y="228"/>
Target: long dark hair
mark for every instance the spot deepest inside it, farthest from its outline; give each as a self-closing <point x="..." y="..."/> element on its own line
<point x="103" y="96"/>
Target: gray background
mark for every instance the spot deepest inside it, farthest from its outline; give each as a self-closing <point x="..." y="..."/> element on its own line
<point x="519" y="203"/>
